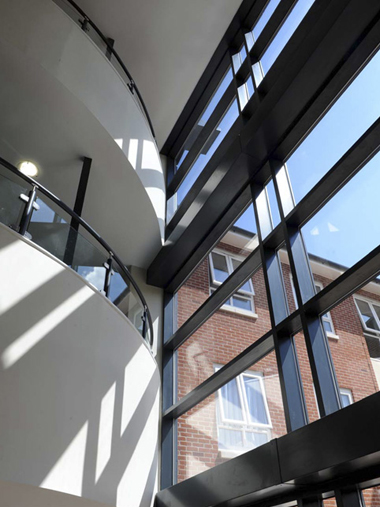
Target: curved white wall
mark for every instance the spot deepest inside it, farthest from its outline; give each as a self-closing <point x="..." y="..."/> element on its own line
<point x="79" y="390"/>
<point x="41" y="30"/>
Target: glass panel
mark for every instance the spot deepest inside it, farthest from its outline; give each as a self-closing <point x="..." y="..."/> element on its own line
<point x="222" y="87"/>
<point x="258" y="73"/>
<point x="371" y="496"/>
<point x="231" y="329"/>
<point x="243" y="303"/>
<point x="217" y="136"/>
<point x="273" y="204"/>
<point x="351" y="115"/>
<point x="264" y="18"/>
<point x="228" y="439"/>
<point x="367" y="315"/>
<point x="347" y="227"/>
<point x="231" y="402"/>
<point x="247" y="286"/>
<point x="239" y="58"/>
<point x="290" y="25"/>
<point x="220" y="267"/>
<point x="256" y="406"/>
<point x="11" y="206"/>
<point x="205" y="439"/>
<point x="345" y="399"/>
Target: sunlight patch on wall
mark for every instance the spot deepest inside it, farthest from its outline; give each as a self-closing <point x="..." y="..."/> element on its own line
<point x="67" y="474"/>
<point x="150" y="158"/>
<point x="132" y="397"/>
<point x="132" y="152"/>
<point x="24" y="343"/>
<point x="107" y="410"/>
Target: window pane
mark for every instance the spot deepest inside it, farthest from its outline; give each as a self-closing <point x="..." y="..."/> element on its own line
<point x="244" y="304"/>
<point x="247" y="287"/>
<point x="367" y="315"/>
<point x="208" y="150"/>
<point x="220" y="267"/>
<point x="347" y="227"/>
<point x="255" y="439"/>
<point x="205" y="440"/>
<point x="255" y="400"/>
<point x="351" y="115"/>
<point x="286" y="31"/>
<point x="345" y="399"/>
<point x="231" y="401"/>
<point x="377" y="310"/>
<point x="230" y="439"/>
<point x="327" y="326"/>
<point x="264" y="18"/>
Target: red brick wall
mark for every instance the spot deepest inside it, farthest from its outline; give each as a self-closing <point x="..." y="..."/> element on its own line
<point x="227" y="334"/>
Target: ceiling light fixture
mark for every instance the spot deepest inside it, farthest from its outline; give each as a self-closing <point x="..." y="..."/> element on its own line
<point x="29" y="169"/>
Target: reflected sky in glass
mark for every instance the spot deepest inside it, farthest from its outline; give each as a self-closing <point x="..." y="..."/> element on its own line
<point x="348" y="227"/>
<point x="290" y="25"/>
<point x="352" y="114"/>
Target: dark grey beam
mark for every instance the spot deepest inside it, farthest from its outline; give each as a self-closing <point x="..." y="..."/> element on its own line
<point x="168" y="427"/>
<point x="82" y="186"/>
<point x="333" y="452"/>
<point x="217" y="298"/>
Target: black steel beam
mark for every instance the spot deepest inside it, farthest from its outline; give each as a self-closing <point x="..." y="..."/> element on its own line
<point x="340" y="449"/>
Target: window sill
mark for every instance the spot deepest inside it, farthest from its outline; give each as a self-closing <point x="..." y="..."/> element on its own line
<point x="332" y="336"/>
<point x="239" y="311"/>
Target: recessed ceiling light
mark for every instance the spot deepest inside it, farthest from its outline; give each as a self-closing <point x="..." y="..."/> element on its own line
<point x="29" y="169"/>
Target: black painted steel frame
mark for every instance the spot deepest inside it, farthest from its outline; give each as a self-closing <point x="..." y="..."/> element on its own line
<point x="331" y="45"/>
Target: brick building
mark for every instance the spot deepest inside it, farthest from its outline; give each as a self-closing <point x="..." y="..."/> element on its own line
<point x="248" y="411"/>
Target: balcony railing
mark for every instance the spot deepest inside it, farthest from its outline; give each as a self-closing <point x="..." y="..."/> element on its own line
<point x="34" y="212"/>
<point x="106" y="45"/>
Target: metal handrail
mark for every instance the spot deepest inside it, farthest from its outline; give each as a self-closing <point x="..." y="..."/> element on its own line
<point x="132" y="85"/>
<point x="91" y="231"/>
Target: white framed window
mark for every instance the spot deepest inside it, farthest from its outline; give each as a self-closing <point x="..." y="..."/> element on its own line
<point x="346" y="397"/>
<point x="242" y="414"/>
<point x="221" y="267"/>
<point x="238" y="58"/>
<point x="369" y="313"/>
<point x="326" y="318"/>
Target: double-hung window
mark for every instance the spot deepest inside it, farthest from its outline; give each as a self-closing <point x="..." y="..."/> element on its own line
<point x="242" y="414"/>
<point x="221" y="267"/>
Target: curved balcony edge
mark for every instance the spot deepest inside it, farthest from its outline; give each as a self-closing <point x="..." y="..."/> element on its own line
<point x="70" y="247"/>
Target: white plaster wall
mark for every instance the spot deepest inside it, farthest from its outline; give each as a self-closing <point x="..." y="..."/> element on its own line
<point x="79" y="389"/>
<point x="52" y="40"/>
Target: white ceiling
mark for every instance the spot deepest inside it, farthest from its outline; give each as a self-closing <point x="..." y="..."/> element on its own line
<point x="165" y="44"/>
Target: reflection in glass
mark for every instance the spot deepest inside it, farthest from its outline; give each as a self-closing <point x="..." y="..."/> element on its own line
<point x="347" y="228"/>
<point x="351" y="115"/>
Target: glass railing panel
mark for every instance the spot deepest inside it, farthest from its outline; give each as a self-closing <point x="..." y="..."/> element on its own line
<point x="244" y="414"/>
<point x="347" y="228"/>
<point x="218" y="94"/>
<point x="52" y="232"/>
<point x="11" y="205"/>
<point x="208" y="150"/>
<point x="351" y="115"/>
